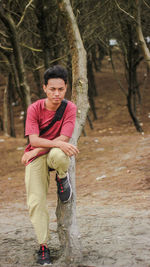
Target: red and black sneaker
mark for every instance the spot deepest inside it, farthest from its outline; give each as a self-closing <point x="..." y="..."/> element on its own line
<point x="64" y="189"/>
<point x="44" y="256"/>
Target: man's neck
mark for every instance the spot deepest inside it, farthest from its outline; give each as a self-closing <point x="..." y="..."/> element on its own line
<point x="51" y="106"/>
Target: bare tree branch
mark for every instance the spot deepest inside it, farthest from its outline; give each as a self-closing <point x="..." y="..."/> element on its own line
<point x="11" y="12"/>
<point x="31" y="48"/>
<point x="34" y="33"/>
<point x="24" y="13"/>
<point x="124" y="11"/>
<point x="4" y="61"/>
<point x="146" y="3"/>
<point x="5" y="49"/>
<point x="4" y="34"/>
<point x="50" y="62"/>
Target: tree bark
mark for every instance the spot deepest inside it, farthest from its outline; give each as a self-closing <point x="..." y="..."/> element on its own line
<point x="133" y="89"/>
<point x="1" y="124"/>
<point x="37" y="79"/>
<point x="11" y="116"/>
<point x="41" y="14"/>
<point x="5" y="111"/>
<point x="91" y="85"/>
<point x="15" y="76"/>
<point x="144" y="48"/>
<point x="66" y="214"/>
<point x="11" y="27"/>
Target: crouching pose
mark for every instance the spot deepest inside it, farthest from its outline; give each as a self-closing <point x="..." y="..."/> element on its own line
<point x="49" y="125"/>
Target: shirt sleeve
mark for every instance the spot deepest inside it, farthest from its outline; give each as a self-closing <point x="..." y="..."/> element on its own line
<point x="32" y="124"/>
<point x="69" y="120"/>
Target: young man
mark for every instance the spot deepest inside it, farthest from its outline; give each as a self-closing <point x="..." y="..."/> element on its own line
<point x="48" y="150"/>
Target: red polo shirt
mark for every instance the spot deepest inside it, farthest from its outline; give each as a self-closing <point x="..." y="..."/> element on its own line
<point x="38" y="117"/>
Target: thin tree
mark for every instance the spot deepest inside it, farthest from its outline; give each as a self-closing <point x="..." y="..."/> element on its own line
<point x="130" y="52"/>
<point x="143" y="45"/>
<point x="66" y="214"/>
<point x="5" y="111"/>
<point x="12" y="31"/>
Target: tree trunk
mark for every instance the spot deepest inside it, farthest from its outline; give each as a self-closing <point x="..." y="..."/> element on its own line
<point x="132" y="56"/>
<point x="11" y="27"/>
<point x="1" y="124"/>
<point x="144" y="48"/>
<point x="37" y="79"/>
<point x="66" y="214"/>
<point x="15" y="76"/>
<point x="11" y="117"/>
<point x="44" y="28"/>
<point x="92" y="86"/>
<point x="5" y="111"/>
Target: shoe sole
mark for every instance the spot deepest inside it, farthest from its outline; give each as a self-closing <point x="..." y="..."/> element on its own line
<point x="44" y="264"/>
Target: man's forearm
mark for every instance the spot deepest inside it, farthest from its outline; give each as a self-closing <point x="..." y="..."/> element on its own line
<point x="40" y="142"/>
<point x="62" y="138"/>
<point x="43" y="143"/>
<point x="60" y="142"/>
<point x="59" y="138"/>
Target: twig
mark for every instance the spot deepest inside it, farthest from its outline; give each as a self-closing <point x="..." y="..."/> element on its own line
<point x="50" y="62"/>
<point x="24" y="12"/>
<point x="124" y="11"/>
<point x="31" y="48"/>
<point x="3" y="34"/>
<point x="146" y="3"/>
<point x="5" y="49"/>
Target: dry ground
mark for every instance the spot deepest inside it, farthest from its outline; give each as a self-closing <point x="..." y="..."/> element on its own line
<point x="113" y="190"/>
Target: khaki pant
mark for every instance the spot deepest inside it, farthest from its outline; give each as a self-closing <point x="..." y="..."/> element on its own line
<point x="37" y="182"/>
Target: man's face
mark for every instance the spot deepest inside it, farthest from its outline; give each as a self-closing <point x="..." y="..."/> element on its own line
<point x="55" y="90"/>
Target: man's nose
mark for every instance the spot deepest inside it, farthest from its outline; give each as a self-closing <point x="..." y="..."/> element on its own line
<point x="57" y="92"/>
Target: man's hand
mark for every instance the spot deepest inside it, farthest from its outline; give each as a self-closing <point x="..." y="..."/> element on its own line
<point x="31" y="154"/>
<point x="67" y="148"/>
<point x="27" y="156"/>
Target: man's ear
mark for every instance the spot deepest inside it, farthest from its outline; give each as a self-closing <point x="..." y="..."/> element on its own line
<point x="44" y="88"/>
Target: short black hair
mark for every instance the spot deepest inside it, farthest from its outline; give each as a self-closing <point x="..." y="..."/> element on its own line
<point x="56" y="71"/>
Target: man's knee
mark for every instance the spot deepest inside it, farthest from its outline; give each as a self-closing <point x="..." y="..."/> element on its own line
<point x="57" y="156"/>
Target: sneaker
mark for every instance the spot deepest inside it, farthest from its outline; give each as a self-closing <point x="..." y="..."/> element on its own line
<point x="44" y="256"/>
<point x="64" y="189"/>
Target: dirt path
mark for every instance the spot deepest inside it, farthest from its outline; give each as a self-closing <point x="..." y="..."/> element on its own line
<point x="112" y="204"/>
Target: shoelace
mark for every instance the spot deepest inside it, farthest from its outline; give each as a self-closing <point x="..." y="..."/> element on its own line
<point x="43" y="250"/>
<point x="60" y="184"/>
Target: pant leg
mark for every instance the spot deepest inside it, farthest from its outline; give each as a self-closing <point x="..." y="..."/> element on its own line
<point x="37" y="181"/>
<point x="58" y="160"/>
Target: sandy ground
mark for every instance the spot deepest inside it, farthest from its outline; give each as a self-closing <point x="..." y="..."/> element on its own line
<point x="113" y="193"/>
<point x="112" y="205"/>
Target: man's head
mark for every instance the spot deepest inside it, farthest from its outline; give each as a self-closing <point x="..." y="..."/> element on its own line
<point x="55" y="85"/>
<point x="55" y="71"/>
